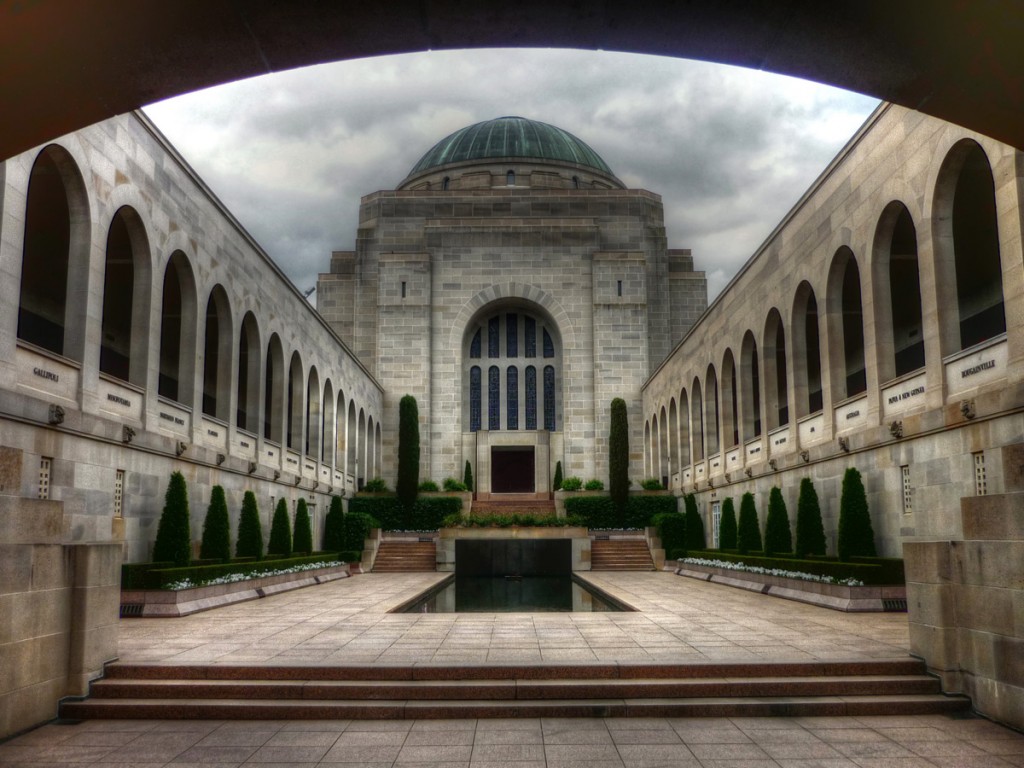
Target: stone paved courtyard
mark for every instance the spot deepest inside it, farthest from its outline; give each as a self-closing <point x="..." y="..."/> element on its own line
<point x="679" y="619"/>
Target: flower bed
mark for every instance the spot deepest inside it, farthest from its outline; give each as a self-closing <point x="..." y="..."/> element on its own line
<point x="169" y="603"/>
<point x="802" y="587"/>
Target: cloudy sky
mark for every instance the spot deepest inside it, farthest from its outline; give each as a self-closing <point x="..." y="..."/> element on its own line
<point x="729" y="150"/>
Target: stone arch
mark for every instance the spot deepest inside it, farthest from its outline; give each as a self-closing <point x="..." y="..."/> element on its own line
<point x="327" y="426"/>
<point x="53" y="296"/>
<point x="807" y="382"/>
<point x="361" y="466"/>
<point x="311" y="446"/>
<point x="750" y="379"/>
<point x="178" y="326"/>
<point x="340" y="432"/>
<point x="697" y="421"/>
<point x="730" y="402"/>
<point x="896" y="282"/>
<point x="295" y="408"/>
<point x="712" y="412"/>
<point x="352" y="443"/>
<point x="273" y="392"/>
<point x="673" y="434"/>
<point x="664" y="449"/>
<point x="844" y="314"/>
<point x="776" y="380"/>
<point x="127" y="298"/>
<point x="684" y="429"/>
<point x="965" y="235"/>
<point x="217" y="355"/>
<point x="648" y="450"/>
<point x="247" y="396"/>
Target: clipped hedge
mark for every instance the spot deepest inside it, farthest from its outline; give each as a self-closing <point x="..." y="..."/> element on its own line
<point x="869" y="570"/>
<point x="355" y="529"/>
<point x="428" y="513"/>
<point x="671" y="527"/>
<point x="600" y="512"/>
<point x="161" y="577"/>
<point x="137" y="575"/>
<point x="508" y="521"/>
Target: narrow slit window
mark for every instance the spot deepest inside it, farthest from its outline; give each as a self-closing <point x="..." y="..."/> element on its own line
<point x="620" y="288"/>
<point x="980" y="481"/>
<point x="119" y="493"/>
<point x="45" y="463"/>
<point x="908" y="491"/>
<point x="403" y="289"/>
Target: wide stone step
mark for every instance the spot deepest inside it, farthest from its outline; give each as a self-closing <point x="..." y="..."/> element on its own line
<point x="405" y="557"/>
<point x="514" y="689"/>
<point x="325" y="709"/>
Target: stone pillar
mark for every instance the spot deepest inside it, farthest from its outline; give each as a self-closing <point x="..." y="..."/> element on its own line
<point x="966" y="599"/>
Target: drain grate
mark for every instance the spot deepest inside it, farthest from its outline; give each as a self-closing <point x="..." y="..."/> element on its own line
<point x="131" y="609"/>
<point x="896" y="605"/>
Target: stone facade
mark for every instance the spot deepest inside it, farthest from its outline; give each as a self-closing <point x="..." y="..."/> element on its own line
<point x="564" y="244"/>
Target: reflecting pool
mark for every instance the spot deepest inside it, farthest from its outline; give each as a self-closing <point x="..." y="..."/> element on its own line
<point x="513" y="594"/>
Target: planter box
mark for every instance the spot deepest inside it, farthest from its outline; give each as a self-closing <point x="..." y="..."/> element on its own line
<point x="148" y="603"/>
<point x="835" y="596"/>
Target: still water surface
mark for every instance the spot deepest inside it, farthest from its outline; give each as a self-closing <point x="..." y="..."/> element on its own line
<point x="504" y="594"/>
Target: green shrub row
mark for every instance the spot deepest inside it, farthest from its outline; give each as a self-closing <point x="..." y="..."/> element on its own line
<point x="354" y="530"/>
<point x="868" y="570"/>
<point x="600" y="512"/>
<point x="507" y="521"/>
<point x="427" y="514"/>
<point x="160" y="578"/>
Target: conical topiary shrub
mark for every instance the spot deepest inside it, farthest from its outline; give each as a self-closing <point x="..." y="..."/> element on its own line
<point x="334" y="526"/>
<point x="250" y="531"/>
<point x="467" y="476"/>
<point x="748" y="530"/>
<point x="280" y="532"/>
<point x="173" y="535"/>
<point x="856" y="536"/>
<point x="408" y="482"/>
<point x="777" y="536"/>
<point x="556" y="484"/>
<point x="302" y="541"/>
<point x="216" y="543"/>
<point x="618" y="457"/>
<point x="694" y="524"/>
<point x="727" y="526"/>
<point x="810" y="532"/>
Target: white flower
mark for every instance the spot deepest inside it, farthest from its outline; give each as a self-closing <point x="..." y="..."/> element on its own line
<point x="232" y="578"/>
<point x="772" y="571"/>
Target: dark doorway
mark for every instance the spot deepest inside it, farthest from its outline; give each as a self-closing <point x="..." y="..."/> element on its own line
<point x="512" y="469"/>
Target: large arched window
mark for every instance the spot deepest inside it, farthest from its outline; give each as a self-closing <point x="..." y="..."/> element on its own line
<point x="507" y="394"/>
<point x="806" y="351"/>
<point x="673" y="434"/>
<point x="178" y="331"/>
<point x="352" y="443"/>
<point x="664" y="452"/>
<point x="296" y="410"/>
<point x="55" y="262"/>
<point x="312" y="447"/>
<point x="327" y="422"/>
<point x="217" y="355"/>
<point x="776" y="388"/>
<point x="697" y="421"/>
<point x="684" y="429"/>
<point x="730" y="415"/>
<point x="711" y="412"/>
<point x="967" y="249"/>
<point x="845" y="316"/>
<point x="124" y="337"/>
<point x="248" y="394"/>
<point x="897" y="287"/>
<point x="750" y="379"/>
<point x="273" y="391"/>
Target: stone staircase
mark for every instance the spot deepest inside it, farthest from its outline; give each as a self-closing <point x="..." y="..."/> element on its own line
<point x="616" y="554"/>
<point x="427" y="690"/>
<point x="404" y="556"/>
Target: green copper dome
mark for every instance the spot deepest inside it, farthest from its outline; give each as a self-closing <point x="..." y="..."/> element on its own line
<point x="510" y="137"/>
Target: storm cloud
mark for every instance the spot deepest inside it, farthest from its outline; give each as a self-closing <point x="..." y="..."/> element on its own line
<point x="729" y="150"/>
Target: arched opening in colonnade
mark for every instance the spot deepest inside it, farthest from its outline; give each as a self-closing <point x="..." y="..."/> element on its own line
<point x="750" y="380"/>
<point x="273" y="415"/>
<point x="806" y="352"/>
<point x="776" y="389"/>
<point x="247" y="406"/>
<point x="55" y="256"/>
<point x="969" y="269"/>
<point x="845" y="321"/>
<point x="178" y="319"/>
<point x="127" y="280"/>
<point x="896" y="283"/>
<point x="217" y="355"/>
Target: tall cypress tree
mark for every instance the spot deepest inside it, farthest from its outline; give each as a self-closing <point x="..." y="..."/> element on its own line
<point x="856" y="536"/>
<point x="216" y="528"/>
<point x="694" y="525"/>
<point x="280" y="532"/>
<point x="748" y="532"/>
<point x="810" y="532"/>
<point x="727" y="526"/>
<point x="777" y="536"/>
<point x="334" y="526"/>
<point x="173" y="535"/>
<point x="618" y="457"/>
<point x="556" y="484"/>
<point x="250" y="530"/>
<point x="302" y="540"/>
<point x="467" y="476"/>
<point x="408" y="452"/>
